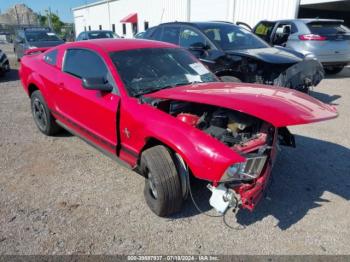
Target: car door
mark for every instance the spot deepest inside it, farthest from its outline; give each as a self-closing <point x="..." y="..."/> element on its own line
<point x="264" y="30"/>
<point x="91" y="113"/>
<point x="282" y="33"/>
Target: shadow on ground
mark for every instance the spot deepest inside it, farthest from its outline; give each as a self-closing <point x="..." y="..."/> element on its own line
<point x="345" y="73"/>
<point x="300" y="178"/>
<point x="12" y="75"/>
<point x="325" y="98"/>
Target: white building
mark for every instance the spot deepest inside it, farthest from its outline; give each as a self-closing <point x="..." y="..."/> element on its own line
<point x="127" y="17"/>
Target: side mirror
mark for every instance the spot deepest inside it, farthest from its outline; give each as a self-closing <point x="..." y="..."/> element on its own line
<point x="97" y="83"/>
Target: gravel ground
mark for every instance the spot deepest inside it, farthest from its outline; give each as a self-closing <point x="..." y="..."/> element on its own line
<point x="59" y="195"/>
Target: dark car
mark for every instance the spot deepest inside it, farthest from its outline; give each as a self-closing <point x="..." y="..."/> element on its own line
<point x="237" y="55"/>
<point x="32" y="38"/>
<point x="4" y="63"/>
<point x="98" y="34"/>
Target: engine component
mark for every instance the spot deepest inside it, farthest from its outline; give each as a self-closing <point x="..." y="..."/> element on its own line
<point x="222" y="198"/>
<point x="216" y="132"/>
<point x="188" y="118"/>
<point x="219" y="119"/>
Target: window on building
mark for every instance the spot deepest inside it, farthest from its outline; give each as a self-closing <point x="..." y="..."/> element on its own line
<point x="84" y="63"/>
<point x="89" y="27"/>
<point x="113" y="28"/>
<point x="84" y="28"/>
<point x="100" y="27"/>
<point x="124" y="29"/>
<point x="51" y="57"/>
<point x="146" y="25"/>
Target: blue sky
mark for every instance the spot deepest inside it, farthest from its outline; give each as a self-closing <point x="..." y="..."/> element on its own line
<point x="63" y="7"/>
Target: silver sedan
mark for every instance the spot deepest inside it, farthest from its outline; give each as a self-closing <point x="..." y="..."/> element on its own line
<point x="323" y="39"/>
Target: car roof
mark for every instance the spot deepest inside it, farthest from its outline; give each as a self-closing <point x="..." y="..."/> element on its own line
<point x="98" y="31"/>
<point x="114" y="45"/>
<point x="201" y="24"/>
<point x="306" y="20"/>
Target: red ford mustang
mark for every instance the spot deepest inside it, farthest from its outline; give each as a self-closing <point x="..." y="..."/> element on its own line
<point x="156" y="108"/>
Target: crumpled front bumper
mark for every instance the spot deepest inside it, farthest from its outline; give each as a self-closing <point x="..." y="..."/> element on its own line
<point x="251" y="194"/>
<point x="301" y="75"/>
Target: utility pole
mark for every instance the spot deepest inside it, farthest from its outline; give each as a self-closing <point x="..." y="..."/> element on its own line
<point x="48" y="12"/>
<point x="17" y="15"/>
<point x="109" y="15"/>
<point x="188" y="11"/>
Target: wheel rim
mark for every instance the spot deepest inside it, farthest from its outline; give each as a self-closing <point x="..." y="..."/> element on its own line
<point x="152" y="186"/>
<point x="39" y="113"/>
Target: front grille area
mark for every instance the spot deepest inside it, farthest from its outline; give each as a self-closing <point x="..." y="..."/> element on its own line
<point x="254" y="166"/>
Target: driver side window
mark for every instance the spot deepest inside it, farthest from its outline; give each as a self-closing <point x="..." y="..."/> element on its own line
<point x="190" y="38"/>
<point x="83" y="63"/>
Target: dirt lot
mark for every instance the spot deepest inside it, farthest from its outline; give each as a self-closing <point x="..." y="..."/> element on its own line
<point x="60" y="196"/>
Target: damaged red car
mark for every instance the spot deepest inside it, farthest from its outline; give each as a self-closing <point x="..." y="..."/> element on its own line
<point x="156" y="108"/>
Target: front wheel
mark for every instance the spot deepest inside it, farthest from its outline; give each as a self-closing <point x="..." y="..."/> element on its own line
<point x="43" y="119"/>
<point x="162" y="191"/>
<point x="333" y="70"/>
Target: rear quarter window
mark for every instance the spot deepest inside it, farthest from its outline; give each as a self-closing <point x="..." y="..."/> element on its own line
<point x="51" y="57"/>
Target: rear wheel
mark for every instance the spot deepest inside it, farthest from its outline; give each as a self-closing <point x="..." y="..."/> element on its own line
<point x="230" y="79"/>
<point x="42" y="116"/>
<point x="333" y="70"/>
<point x="162" y="191"/>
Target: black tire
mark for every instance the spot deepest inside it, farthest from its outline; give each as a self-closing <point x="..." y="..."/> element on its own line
<point x="230" y="79"/>
<point x="43" y="119"/>
<point x="333" y="70"/>
<point x="162" y="191"/>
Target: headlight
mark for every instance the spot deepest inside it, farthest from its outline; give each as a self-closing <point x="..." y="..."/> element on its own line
<point x="32" y="47"/>
<point x="248" y="170"/>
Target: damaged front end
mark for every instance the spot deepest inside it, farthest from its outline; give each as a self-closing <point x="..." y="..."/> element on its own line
<point x="250" y="121"/>
<point x="254" y="139"/>
<point x="301" y="76"/>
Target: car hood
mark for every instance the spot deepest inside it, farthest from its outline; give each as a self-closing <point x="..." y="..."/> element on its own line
<point x="279" y="106"/>
<point x="46" y="43"/>
<point x="269" y="55"/>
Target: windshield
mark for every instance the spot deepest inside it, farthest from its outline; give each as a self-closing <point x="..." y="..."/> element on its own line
<point x="40" y="36"/>
<point x="230" y="37"/>
<point x="97" y="35"/>
<point x="147" y="70"/>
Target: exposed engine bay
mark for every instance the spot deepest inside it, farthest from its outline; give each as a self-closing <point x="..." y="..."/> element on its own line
<point x="241" y="132"/>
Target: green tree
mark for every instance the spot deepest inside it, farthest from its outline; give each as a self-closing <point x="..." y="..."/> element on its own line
<point x="56" y="22"/>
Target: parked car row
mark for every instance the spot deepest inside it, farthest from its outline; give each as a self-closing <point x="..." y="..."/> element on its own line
<point x="157" y="109"/>
<point x="235" y="54"/>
